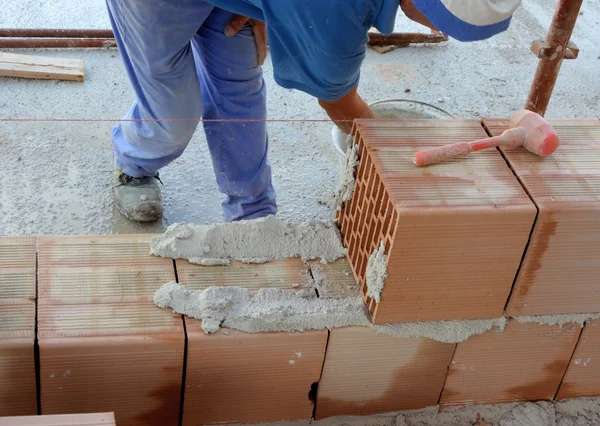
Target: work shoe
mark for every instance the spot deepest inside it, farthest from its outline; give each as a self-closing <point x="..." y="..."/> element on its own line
<point x="138" y="199"/>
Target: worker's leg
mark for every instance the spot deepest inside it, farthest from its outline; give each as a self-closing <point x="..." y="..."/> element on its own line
<point x="154" y="42"/>
<point x="233" y="89"/>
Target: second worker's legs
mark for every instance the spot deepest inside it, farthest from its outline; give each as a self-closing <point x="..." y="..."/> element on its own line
<point x="233" y="89"/>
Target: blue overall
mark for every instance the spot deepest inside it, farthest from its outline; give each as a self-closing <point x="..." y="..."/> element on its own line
<point x="182" y="66"/>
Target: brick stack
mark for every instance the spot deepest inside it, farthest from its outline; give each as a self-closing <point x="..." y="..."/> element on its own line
<point x="457" y="236"/>
<point x="560" y="269"/>
<point x="235" y="377"/>
<point x="104" y="347"/>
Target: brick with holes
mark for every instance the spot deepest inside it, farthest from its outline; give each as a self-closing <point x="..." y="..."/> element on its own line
<point x="17" y="326"/>
<point x="454" y="233"/>
<point x="560" y="270"/>
<point x="104" y="345"/>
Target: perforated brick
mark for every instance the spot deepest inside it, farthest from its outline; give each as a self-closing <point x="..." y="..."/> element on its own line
<point x="526" y="362"/>
<point x="582" y="378"/>
<point x="17" y="326"/>
<point x="104" y="346"/>
<point x="560" y="270"/>
<point x="454" y="233"/>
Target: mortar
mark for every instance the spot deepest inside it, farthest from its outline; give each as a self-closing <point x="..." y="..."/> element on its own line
<point x="395" y="109"/>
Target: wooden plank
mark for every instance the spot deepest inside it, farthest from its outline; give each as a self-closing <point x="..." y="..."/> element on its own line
<point x="27" y="66"/>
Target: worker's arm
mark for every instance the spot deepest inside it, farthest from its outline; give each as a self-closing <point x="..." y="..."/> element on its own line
<point x="344" y="110"/>
<point x="415" y="14"/>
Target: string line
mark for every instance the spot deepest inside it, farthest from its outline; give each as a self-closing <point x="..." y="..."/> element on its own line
<point x="183" y="120"/>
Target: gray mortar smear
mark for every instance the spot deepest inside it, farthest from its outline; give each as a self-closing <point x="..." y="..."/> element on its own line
<point x="572" y="412"/>
<point x="560" y="319"/>
<point x="347" y="181"/>
<point x="376" y="273"/>
<point x="256" y="241"/>
<point x="278" y="310"/>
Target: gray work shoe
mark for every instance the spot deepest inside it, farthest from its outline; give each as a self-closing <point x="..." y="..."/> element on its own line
<point x="138" y="199"/>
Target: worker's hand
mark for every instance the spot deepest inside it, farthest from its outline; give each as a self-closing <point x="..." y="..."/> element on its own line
<point x="258" y="28"/>
<point x="344" y="110"/>
<point x="415" y="14"/>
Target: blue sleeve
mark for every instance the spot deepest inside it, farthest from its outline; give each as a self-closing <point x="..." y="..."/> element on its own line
<point x="299" y="64"/>
<point x="317" y="46"/>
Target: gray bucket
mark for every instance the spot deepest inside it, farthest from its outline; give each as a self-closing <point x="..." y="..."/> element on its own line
<point x="399" y="109"/>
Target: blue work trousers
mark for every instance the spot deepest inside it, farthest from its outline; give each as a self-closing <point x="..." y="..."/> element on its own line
<point x="183" y="67"/>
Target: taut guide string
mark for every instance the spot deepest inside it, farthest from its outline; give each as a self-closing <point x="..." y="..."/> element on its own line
<point x="184" y="120"/>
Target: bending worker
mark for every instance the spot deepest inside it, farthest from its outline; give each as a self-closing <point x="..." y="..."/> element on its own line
<point x="188" y="59"/>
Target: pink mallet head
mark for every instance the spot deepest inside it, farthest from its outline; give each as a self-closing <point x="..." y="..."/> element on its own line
<point x="541" y="139"/>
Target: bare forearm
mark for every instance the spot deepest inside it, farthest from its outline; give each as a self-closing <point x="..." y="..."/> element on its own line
<point x="344" y="110"/>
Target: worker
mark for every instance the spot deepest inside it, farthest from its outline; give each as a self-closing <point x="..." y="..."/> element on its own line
<point x="192" y="59"/>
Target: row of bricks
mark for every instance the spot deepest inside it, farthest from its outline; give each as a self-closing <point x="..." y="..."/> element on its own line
<point x="103" y="346"/>
<point x="467" y="232"/>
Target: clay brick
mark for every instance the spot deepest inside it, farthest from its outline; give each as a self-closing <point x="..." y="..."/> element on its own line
<point x="526" y="362"/>
<point x="235" y="377"/>
<point x="17" y="364"/>
<point x="17" y="269"/>
<point x="290" y="273"/>
<point x="454" y="232"/>
<point x="583" y="375"/>
<point x="17" y="326"/>
<point x="115" y="268"/>
<point x="102" y="419"/>
<point x="369" y="373"/>
<point x="560" y="269"/>
<point x="104" y="346"/>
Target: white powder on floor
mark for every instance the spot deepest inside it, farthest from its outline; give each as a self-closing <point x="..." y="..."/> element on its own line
<point x="347" y="181"/>
<point x="559" y="319"/>
<point x="256" y="241"/>
<point x="274" y="309"/>
<point x="376" y="273"/>
<point x="578" y="412"/>
<point x="510" y="414"/>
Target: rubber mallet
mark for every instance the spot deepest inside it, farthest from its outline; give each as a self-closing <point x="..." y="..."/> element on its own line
<point x="528" y="129"/>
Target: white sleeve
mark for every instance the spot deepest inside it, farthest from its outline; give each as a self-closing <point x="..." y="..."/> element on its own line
<point x="482" y="12"/>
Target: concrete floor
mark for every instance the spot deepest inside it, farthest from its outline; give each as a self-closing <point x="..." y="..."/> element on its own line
<point x="56" y="176"/>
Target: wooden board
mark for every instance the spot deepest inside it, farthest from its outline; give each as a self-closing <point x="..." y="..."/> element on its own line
<point x="27" y="66"/>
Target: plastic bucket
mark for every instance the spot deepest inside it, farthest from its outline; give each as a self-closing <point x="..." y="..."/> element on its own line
<point x="392" y="109"/>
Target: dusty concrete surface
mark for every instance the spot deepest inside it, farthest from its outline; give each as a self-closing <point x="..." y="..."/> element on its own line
<point x="56" y="176"/>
